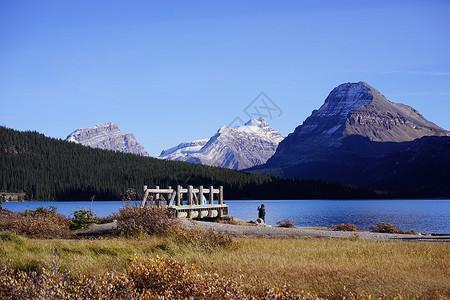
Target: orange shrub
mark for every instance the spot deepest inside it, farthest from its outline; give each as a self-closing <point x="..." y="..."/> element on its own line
<point x="344" y="227"/>
<point x="133" y="220"/>
<point x="288" y="223"/>
<point x="41" y="222"/>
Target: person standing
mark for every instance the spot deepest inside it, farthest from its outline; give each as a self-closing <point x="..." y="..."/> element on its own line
<point x="262" y="213"/>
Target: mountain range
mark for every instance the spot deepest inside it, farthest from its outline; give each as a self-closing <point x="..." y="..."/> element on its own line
<point x="356" y="137"/>
<point x="234" y="148"/>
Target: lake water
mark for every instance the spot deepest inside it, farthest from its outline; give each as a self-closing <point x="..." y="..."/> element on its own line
<point x="432" y="216"/>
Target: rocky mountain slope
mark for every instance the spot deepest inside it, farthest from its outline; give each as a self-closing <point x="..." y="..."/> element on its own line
<point x="359" y="137"/>
<point x="107" y="136"/>
<point x="234" y="148"/>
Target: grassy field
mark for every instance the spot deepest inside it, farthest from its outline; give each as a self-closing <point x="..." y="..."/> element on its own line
<point x="322" y="267"/>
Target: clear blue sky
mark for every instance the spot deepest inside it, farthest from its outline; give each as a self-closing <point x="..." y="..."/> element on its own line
<point x="173" y="71"/>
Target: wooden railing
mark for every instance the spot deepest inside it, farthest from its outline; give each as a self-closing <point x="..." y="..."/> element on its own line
<point x="188" y="202"/>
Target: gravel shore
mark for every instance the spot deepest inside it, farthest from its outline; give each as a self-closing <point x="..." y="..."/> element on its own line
<point x="267" y="231"/>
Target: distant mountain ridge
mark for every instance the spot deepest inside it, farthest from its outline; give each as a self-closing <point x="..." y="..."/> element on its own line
<point x="359" y="137"/>
<point x="107" y="136"/>
<point x="233" y="148"/>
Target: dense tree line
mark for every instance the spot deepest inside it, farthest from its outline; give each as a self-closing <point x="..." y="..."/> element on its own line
<point x="52" y="169"/>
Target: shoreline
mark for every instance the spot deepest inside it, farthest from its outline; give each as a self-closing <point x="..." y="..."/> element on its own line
<point x="269" y="231"/>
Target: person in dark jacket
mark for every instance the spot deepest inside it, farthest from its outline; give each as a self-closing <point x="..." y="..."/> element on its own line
<point x="262" y="213"/>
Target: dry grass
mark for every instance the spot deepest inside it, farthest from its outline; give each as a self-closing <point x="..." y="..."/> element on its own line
<point x="322" y="267"/>
<point x="326" y="266"/>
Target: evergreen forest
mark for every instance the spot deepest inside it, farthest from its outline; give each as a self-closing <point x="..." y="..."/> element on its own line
<point x="52" y="169"/>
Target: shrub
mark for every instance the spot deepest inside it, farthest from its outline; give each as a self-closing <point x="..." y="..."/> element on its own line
<point x="288" y="223"/>
<point x="344" y="227"/>
<point x="385" y="227"/>
<point x="41" y="222"/>
<point x="133" y="220"/>
<point x="106" y="219"/>
<point x="82" y="218"/>
<point x="171" y="279"/>
<point x="230" y="221"/>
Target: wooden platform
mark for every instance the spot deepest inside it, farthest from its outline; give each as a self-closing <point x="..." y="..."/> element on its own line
<point x="188" y="202"/>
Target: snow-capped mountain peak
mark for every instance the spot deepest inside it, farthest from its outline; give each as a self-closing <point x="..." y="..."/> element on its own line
<point x="352" y="110"/>
<point x="235" y="148"/>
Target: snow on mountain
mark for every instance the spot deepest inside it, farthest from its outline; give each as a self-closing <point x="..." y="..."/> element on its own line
<point x="183" y="149"/>
<point x="352" y="110"/>
<point x="234" y="148"/>
<point x="107" y="136"/>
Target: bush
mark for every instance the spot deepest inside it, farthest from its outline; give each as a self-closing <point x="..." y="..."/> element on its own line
<point x="230" y="221"/>
<point x="288" y="223"/>
<point x="106" y="219"/>
<point x="41" y="222"/>
<point x="133" y="220"/>
<point x="82" y="218"/>
<point x="344" y="227"/>
<point x="385" y="227"/>
<point x="156" y="278"/>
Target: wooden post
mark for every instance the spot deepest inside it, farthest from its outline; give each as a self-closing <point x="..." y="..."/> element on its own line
<point x="157" y="196"/>
<point x="200" y="195"/>
<point x="144" y="200"/>
<point x="190" y="192"/>
<point x="169" y="195"/>
<point x="211" y="195"/>
<point x="221" y="194"/>
<point x="178" y="197"/>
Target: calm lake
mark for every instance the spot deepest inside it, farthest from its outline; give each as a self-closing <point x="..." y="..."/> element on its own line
<point x="430" y="216"/>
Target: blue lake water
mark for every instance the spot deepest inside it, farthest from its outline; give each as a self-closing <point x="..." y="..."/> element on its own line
<point x="431" y="216"/>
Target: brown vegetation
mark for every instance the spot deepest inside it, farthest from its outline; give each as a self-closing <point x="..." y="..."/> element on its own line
<point x="287" y="223"/>
<point x="384" y="227"/>
<point x="320" y="266"/>
<point x="41" y="222"/>
<point x="344" y="227"/>
<point x="153" y="256"/>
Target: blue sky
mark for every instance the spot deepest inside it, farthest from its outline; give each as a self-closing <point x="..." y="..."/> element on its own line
<point x="173" y="71"/>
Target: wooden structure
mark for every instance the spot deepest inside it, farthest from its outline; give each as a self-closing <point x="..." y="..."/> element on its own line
<point x="12" y="196"/>
<point x="188" y="202"/>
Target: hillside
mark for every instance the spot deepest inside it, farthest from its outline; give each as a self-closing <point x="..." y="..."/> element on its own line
<point x="51" y="169"/>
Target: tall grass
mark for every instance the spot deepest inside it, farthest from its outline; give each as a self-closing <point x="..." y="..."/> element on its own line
<point x="319" y="266"/>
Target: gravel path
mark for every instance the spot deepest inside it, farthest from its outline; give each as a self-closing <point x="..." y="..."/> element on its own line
<point x="268" y="231"/>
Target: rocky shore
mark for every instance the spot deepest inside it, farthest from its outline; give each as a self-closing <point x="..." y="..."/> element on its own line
<point x="268" y="231"/>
